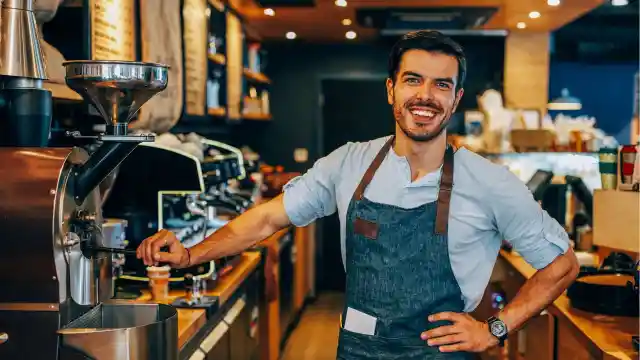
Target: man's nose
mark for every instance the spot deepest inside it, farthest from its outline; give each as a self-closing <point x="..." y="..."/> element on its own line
<point x="425" y="92"/>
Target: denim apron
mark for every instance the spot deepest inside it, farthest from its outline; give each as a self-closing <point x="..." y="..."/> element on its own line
<point x="398" y="271"/>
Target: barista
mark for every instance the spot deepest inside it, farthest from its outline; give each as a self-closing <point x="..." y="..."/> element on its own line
<point x="418" y="242"/>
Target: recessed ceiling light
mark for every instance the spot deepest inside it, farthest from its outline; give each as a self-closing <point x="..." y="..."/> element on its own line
<point x="291" y="35"/>
<point x="619" y="2"/>
<point x="521" y="25"/>
<point x="346" y="22"/>
<point x="269" y="12"/>
<point x="553" y="2"/>
<point x="534" y="14"/>
<point x="350" y="35"/>
<point x="341" y="3"/>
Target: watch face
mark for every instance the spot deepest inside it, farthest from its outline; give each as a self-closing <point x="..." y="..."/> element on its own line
<point x="497" y="328"/>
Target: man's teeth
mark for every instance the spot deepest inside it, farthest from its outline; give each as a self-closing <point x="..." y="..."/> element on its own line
<point x="425" y="113"/>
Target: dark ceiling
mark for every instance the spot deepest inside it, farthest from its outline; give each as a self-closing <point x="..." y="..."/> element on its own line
<point x="608" y="33"/>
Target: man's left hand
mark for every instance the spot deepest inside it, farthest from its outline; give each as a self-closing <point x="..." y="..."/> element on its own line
<point x="465" y="334"/>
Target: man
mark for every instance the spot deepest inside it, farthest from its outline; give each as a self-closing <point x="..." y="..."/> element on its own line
<point x="418" y="242"/>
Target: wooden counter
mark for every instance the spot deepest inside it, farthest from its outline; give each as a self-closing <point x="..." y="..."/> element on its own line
<point x="190" y="321"/>
<point x="580" y="335"/>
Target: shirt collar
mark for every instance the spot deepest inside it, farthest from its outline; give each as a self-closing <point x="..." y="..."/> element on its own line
<point x="430" y="179"/>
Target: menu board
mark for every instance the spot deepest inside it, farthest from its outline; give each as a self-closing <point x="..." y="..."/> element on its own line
<point x="113" y="30"/>
<point x="195" y="17"/>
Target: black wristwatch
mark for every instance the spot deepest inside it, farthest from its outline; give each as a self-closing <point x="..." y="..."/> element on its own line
<point x="498" y="329"/>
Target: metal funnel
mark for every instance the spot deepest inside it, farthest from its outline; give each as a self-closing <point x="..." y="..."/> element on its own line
<point x="20" y="51"/>
<point x="117" y="89"/>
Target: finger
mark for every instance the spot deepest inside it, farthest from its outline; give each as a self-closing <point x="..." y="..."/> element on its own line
<point x="165" y="239"/>
<point x="463" y="346"/>
<point x="445" y="340"/>
<point x="141" y="250"/>
<point x="148" y="249"/>
<point x="169" y="258"/>
<point x="440" y="331"/>
<point x="174" y="244"/>
<point x="451" y="316"/>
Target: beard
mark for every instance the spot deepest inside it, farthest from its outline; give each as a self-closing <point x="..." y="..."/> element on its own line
<point x="421" y="135"/>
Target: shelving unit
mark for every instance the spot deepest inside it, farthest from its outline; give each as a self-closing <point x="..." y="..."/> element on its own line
<point x="256" y="76"/>
<point x="234" y="82"/>
<point x="218" y="59"/>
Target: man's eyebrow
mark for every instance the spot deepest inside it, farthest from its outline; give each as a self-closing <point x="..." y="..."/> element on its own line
<point x="445" y="79"/>
<point x="411" y="73"/>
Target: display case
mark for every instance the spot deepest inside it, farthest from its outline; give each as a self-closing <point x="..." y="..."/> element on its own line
<point x="525" y="165"/>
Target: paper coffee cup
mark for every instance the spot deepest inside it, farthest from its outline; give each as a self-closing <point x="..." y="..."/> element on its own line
<point x="159" y="282"/>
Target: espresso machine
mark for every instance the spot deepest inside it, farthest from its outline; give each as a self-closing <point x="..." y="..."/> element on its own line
<point x="56" y="264"/>
<point x="188" y="195"/>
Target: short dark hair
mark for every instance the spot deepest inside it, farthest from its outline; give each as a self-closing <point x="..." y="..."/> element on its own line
<point x="432" y="41"/>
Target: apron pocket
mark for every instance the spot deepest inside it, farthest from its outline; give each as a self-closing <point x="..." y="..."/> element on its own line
<point x="354" y="346"/>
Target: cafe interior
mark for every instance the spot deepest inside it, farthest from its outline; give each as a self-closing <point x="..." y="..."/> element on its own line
<point x="124" y="117"/>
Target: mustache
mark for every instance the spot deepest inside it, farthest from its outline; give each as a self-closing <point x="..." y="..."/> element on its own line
<point x="423" y="103"/>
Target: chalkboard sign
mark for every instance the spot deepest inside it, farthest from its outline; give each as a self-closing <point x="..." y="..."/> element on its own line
<point x="113" y="30"/>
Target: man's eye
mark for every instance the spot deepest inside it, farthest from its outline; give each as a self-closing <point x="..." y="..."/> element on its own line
<point x="444" y="85"/>
<point x="412" y="81"/>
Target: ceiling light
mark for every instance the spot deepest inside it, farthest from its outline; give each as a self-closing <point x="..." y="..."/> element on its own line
<point x="350" y="35"/>
<point x="553" y="2"/>
<point x="534" y="14"/>
<point x="346" y="22"/>
<point x="521" y="25"/>
<point x="291" y="35"/>
<point x="269" y="12"/>
<point x="341" y="3"/>
<point x="619" y="2"/>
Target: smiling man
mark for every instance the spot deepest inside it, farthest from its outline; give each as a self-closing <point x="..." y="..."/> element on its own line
<point x="422" y="224"/>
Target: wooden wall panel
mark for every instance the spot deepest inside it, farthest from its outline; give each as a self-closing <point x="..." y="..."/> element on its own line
<point x="195" y="46"/>
<point x="234" y="66"/>
<point x="526" y="71"/>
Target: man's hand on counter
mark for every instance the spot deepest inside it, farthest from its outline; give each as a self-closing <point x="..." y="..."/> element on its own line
<point x="149" y="250"/>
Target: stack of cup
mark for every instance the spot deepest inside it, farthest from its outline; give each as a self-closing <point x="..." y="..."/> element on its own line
<point x="608" y="167"/>
<point x="159" y="282"/>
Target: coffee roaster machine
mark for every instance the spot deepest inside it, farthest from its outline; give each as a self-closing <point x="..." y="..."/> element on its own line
<point x="56" y="251"/>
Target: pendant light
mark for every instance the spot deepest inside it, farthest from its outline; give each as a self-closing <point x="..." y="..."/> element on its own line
<point x="565" y="102"/>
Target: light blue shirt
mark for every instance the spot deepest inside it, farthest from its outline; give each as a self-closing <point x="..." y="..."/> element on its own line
<point x="489" y="204"/>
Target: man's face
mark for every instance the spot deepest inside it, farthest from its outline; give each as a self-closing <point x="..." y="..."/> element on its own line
<point x="423" y="94"/>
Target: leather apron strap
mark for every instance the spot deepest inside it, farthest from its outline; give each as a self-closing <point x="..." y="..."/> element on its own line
<point x="444" y="194"/>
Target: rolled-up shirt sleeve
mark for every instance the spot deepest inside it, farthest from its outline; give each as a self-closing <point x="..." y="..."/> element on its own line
<point x="524" y="224"/>
<point x="313" y="195"/>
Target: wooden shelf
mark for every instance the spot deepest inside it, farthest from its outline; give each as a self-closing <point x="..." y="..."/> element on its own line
<point x="61" y="91"/>
<point x="258" y="117"/>
<point x="218" y="59"/>
<point x="256" y="77"/>
<point x="217" y="111"/>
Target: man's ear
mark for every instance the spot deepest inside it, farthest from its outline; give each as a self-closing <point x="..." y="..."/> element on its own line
<point x="458" y="97"/>
<point x="389" y="84"/>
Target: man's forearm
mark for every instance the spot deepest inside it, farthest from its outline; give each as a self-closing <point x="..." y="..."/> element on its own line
<point x="540" y="290"/>
<point x="238" y="235"/>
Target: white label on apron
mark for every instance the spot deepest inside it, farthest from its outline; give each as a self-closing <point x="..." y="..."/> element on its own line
<point x="359" y="322"/>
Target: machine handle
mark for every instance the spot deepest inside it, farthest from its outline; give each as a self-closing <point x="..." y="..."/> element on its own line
<point x="128" y="252"/>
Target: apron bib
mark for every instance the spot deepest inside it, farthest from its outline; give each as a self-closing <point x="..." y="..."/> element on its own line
<point x="398" y="273"/>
